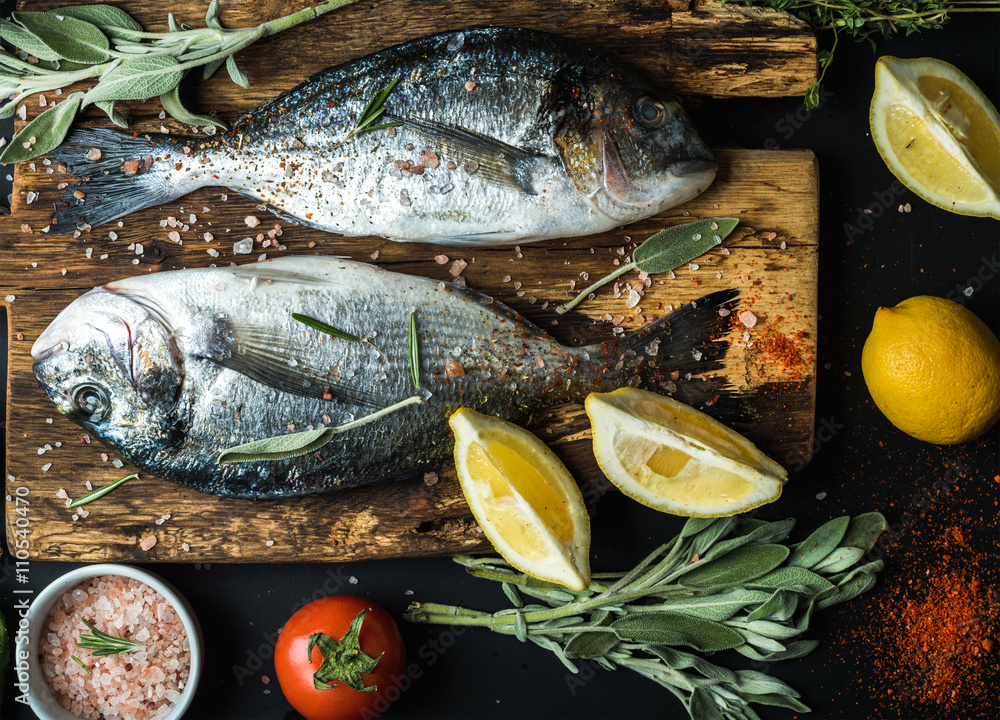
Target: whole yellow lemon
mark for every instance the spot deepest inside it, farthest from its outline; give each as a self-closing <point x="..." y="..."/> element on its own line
<point x="933" y="369"/>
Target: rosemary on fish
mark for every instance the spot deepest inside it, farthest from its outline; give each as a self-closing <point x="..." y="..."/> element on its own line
<point x="414" y="349"/>
<point x="668" y="249"/>
<point x="100" y="643"/>
<point x="720" y="584"/>
<point x="69" y="45"/>
<point x="373" y="111"/>
<point x="324" y="328"/>
<point x="101" y="491"/>
<point x="80" y="662"/>
<point x="866" y="19"/>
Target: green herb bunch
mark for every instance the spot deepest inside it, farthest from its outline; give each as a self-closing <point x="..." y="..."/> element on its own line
<point x="58" y="48"/>
<point x="868" y="19"/>
<point x="721" y="584"/>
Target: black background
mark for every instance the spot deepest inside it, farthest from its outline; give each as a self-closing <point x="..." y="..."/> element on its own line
<point x="862" y="464"/>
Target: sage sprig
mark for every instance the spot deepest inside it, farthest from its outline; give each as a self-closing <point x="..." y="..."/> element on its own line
<point x="100" y="643"/>
<point x="101" y="491"/>
<point x="668" y="249"/>
<point x="60" y="47"/>
<point x="866" y="19"/>
<point x="283" y="447"/>
<point x="720" y="584"/>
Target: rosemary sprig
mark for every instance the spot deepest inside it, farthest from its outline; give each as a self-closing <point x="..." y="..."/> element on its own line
<point x="101" y="491"/>
<point x="80" y="662"/>
<point x="60" y="47"/>
<point x="324" y="328"/>
<point x="868" y="19"/>
<point x="720" y="584"/>
<point x="668" y="249"/>
<point x="373" y="111"/>
<point x="100" y="643"/>
<point x="414" y="348"/>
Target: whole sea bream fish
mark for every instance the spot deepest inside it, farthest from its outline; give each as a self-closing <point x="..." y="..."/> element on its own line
<point x="506" y="136"/>
<point x="170" y="369"/>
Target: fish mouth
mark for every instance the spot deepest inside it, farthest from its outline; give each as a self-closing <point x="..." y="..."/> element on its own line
<point x="695" y="170"/>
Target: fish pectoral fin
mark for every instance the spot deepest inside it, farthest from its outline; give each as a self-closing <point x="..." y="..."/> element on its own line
<point x="494" y="159"/>
<point x="261" y="357"/>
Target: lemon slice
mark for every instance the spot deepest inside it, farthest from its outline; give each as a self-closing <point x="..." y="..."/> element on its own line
<point x="524" y="498"/>
<point x="938" y="133"/>
<point x="673" y="458"/>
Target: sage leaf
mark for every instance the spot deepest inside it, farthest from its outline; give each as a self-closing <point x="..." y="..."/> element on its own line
<point x="840" y="559"/>
<point x="48" y="129"/>
<point x="717" y="607"/>
<point x="702" y="705"/>
<point x="556" y="649"/>
<point x="171" y="101"/>
<point x="797" y="649"/>
<point x="777" y="700"/>
<point x="670" y="628"/>
<point x="113" y="22"/>
<point x="773" y="630"/>
<point x="138" y="78"/>
<point x="864" y="530"/>
<point x="786" y="577"/>
<point x="69" y="38"/>
<point x="283" y="447"/>
<point x="680" y="660"/>
<point x="737" y="567"/>
<point x="873" y="567"/>
<point x="212" y="15"/>
<point x="821" y="543"/>
<point x="757" y="683"/>
<point x="238" y="76"/>
<point x="761" y="642"/>
<point x="708" y="537"/>
<point x="511" y="592"/>
<point x="849" y="591"/>
<point x="762" y="534"/>
<point x="672" y="247"/>
<point x="780" y="606"/>
<point x="108" y="106"/>
<point x="591" y="644"/>
<point x="24" y="40"/>
<point x="210" y="68"/>
<point x="520" y="627"/>
<point x="694" y="525"/>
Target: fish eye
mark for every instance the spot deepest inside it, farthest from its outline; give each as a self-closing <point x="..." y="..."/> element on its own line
<point x="650" y="112"/>
<point x="92" y="401"/>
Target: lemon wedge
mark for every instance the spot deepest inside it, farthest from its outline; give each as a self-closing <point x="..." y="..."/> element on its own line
<point x="673" y="458"/>
<point x="524" y="498"/>
<point x="938" y="133"/>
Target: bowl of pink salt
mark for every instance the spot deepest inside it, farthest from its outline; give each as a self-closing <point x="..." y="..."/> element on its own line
<point x="111" y="642"/>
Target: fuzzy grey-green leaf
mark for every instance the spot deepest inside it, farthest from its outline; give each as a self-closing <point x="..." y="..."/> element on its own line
<point x="171" y="102"/>
<point x="820" y="543"/>
<point x="139" y="78"/>
<point x="591" y="644"/>
<point x="751" y="681"/>
<point x="785" y="577"/>
<point x="839" y="560"/>
<point x="24" y="40"/>
<point x="864" y="530"/>
<point x="718" y="607"/>
<point x="780" y="606"/>
<point x="238" y="76"/>
<point x="108" y="106"/>
<point x="672" y="247"/>
<point x="278" y="448"/>
<point x="48" y="129"/>
<point x="702" y="706"/>
<point x="670" y="628"/>
<point x="113" y="22"/>
<point x="739" y="566"/>
<point x="70" y="38"/>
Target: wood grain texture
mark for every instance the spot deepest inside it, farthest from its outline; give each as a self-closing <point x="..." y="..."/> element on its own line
<point x="772" y="258"/>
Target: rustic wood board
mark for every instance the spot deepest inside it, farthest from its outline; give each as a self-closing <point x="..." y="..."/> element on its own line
<point x="772" y="258"/>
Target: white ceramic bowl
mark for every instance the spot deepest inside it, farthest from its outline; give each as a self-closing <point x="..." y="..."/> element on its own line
<point x="40" y="697"/>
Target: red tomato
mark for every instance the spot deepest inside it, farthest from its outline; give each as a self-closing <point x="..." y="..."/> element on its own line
<point x="297" y="665"/>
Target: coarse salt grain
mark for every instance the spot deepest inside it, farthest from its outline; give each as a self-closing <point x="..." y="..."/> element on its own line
<point x="748" y="318"/>
<point x="148" y="542"/>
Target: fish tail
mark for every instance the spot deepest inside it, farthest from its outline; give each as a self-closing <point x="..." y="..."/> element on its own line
<point x="120" y="173"/>
<point x="660" y="356"/>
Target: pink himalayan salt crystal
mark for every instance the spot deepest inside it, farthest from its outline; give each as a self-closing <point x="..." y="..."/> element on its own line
<point x="139" y="685"/>
<point x="148" y="542"/>
<point x="252" y="221"/>
<point x="457" y="267"/>
<point x="748" y="318"/>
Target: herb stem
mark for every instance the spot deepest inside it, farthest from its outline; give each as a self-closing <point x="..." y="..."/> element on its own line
<point x="594" y="287"/>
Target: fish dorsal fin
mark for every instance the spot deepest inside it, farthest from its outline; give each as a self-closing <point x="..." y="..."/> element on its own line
<point x="495" y="160"/>
<point x="498" y="307"/>
<point x="261" y="355"/>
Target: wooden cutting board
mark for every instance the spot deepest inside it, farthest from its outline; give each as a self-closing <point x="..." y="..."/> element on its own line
<point x="771" y="257"/>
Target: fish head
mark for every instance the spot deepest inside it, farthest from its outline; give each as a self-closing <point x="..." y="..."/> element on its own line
<point x="632" y="151"/>
<point x="110" y="363"/>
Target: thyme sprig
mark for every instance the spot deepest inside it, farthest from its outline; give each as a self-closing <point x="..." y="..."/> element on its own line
<point x="100" y="643"/>
<point x="60" y="47"/>
<point x="720" y="584"/>
<point x="867" y="19"/>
